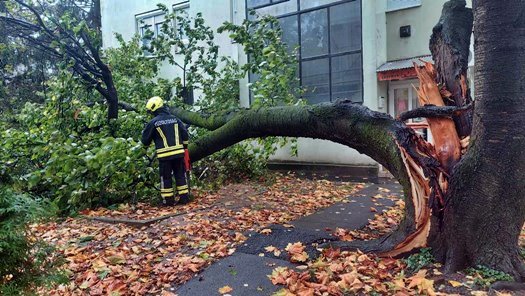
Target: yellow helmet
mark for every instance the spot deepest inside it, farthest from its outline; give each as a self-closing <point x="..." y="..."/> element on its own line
<point x="154" y="103"/>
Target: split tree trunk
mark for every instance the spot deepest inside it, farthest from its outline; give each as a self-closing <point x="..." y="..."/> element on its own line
<point x="449" y="44"/>
<point x="486" y="208"/>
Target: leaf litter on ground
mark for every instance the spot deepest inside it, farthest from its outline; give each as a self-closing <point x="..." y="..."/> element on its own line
<point x="105" y="259"/>
<point x="337" y="272"/>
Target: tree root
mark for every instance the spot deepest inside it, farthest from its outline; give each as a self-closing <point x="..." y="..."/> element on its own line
<point x="508" y="286"/>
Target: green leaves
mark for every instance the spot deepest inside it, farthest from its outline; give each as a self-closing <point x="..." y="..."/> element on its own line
<point x="417" y="261"/>
<point x="485" y="276"/>
<point x="23" y="262"/>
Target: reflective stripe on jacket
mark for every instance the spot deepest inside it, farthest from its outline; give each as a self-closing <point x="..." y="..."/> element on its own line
<point x="168" y="133"/>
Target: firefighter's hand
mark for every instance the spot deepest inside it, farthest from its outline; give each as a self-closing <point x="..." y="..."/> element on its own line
<point x="187" y="162"/>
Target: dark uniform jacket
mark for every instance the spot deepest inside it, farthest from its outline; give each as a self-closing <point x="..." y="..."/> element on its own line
<point x="168" y="133"/>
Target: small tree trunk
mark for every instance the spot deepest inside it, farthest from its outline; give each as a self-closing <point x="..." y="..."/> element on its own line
<point x="110" y="92"/>
<point x="486" y="208"/>
<point x="96" y="16"/>
<point x="112" y="101"/>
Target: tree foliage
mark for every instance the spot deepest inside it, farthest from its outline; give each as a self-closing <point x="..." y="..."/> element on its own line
<point x="69" y="34"/>
<point x="24" y="263"/>
<point x="65" y="149"/>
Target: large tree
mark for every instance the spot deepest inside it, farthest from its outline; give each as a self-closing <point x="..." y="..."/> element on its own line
<point x="69" y="31"/>
<point x="469" y="206"/>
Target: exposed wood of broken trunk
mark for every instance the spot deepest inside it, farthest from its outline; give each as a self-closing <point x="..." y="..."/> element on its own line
<point x="449" y="45"/>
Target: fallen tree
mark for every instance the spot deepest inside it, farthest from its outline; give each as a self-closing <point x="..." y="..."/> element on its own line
<point x="469" y="208"/>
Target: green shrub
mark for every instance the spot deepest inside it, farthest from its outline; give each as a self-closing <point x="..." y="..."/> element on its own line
<point x="485" y="276"/>
<point x="67" y="152"/>
<point x="419" y="260"/>
<point x="24" y="262"/>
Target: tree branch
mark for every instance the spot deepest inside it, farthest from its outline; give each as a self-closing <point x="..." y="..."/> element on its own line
<point x="434" y="111"/>
<point x="127" y="106"/>
<point x="209" y="122"/>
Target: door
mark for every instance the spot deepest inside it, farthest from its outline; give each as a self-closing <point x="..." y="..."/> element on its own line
<point x="402" y="96"/>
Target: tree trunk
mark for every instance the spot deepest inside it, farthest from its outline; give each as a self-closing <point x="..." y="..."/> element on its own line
<point x="110" y="93"/>
<point x="96" y="15"/>
<point x="486" y="208"/>
<point x="390" y="142"/>
<point x="449" y="44"/>
<point x="112" y="101"/>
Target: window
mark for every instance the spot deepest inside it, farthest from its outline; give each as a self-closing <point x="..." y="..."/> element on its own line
<point x="182" y="10"/>
<point x="393" y="5"/>
<point x="290" y="29"/>
<point x="331" y="66"/>
<point x="329" y="35"/>
<point x="305" y="4"/>
<point x="149" y="27"/>
<point x="261" y="3"/>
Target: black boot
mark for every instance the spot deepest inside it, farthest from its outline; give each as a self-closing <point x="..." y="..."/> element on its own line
<point x="170" y="201"/>
<point x="184" y="199"/>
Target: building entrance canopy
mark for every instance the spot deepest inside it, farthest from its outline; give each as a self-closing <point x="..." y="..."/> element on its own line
<point x="401" y="69"/>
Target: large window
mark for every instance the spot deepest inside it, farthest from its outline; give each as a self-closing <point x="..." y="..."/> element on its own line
<point x="329" y="35"/>
<point x="149" y="27"/>
<point x="149" y="24"/>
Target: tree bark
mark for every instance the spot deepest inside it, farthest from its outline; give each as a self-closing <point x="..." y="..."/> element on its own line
<point x="449" y="44"/>
<point x="486" y="198"/>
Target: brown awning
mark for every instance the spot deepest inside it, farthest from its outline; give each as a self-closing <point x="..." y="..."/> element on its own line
<point x="401" y="69"/>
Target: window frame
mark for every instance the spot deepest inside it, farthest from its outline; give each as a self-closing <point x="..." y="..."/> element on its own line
<point x="144" y="16"/>
<point x="272" y="2"/>
<point x="180" y="7"/>
<point x="329" y="55"/>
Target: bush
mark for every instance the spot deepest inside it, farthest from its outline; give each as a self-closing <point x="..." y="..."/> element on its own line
<point x="67" y="152"/>
<point x="24" y="262"/>
<point x="419" y="260"/>
<point x="485" y="276"/>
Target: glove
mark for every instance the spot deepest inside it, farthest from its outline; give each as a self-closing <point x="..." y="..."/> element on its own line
<point x="187" y="162"/>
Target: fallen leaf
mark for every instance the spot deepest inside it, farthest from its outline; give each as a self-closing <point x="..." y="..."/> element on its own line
<point x="266" y="231"/>
<point x="116" y="259"/>
<point x="276" y="251"/>
<point x="296" y="252"/>
<point x="225" y="290"/>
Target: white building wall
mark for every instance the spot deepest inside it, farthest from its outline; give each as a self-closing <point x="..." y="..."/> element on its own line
<point x="422" y="19"/>
<point x="119" y="16"/>
<point x="380" y="41"/>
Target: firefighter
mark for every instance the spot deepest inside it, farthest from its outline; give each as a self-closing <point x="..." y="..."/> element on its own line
<point x="171" y="143"/>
